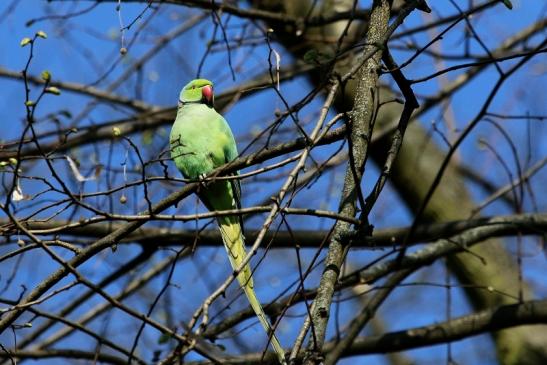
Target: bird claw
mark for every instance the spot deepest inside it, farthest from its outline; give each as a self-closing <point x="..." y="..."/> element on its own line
<point x="202" y="178"/>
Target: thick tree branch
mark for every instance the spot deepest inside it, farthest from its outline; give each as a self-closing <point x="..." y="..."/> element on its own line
<point x="65" y="354"/>
<point x="361" y="119"/>
<point x="151" y="238"/>
<point x="489" y="320"/>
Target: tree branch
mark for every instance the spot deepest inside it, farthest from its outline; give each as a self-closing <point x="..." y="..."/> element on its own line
<point x="489" y="320"/>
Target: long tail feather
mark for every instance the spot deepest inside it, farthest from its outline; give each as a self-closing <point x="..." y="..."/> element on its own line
<point x="232" y="237"/>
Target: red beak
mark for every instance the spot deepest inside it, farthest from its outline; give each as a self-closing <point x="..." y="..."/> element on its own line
<point x="207" y="95"/>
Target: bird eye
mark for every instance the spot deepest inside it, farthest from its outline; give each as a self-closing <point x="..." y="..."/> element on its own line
<point x="193" y="86"/>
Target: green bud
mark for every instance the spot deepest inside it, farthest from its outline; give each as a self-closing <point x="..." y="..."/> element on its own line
<point x="41" y="34"/>
<point x="13" y="161"/>
<point x="46" y="75"/>
<point x="30" y="103"/>
<point x="25" y="41"/>
<point x="53" y="90"/>
<point x="116" y="131"/>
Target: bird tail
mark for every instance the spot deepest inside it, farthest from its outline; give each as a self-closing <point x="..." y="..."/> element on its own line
<point x="232" y="236"/>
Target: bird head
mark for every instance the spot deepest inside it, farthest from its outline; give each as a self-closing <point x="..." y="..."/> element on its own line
<point x="198" y="91"/>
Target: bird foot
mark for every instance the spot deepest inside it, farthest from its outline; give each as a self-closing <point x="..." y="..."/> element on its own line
<point x="203" y="182"/>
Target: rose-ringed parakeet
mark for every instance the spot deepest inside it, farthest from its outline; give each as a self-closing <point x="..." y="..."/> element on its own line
<point x="201" y="141"/>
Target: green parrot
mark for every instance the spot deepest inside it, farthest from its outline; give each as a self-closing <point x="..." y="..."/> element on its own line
<point x="201" y="141"/>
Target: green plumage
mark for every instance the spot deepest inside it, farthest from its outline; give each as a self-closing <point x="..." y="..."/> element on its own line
<point x="201" y="141"/>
